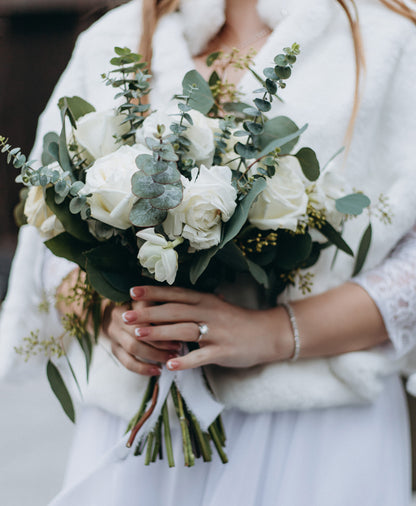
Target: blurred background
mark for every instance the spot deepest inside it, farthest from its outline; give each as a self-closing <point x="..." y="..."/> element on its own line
<point x="36" y="41"/>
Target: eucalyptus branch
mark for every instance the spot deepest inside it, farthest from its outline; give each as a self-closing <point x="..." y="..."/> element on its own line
<point x="134" y="85"/>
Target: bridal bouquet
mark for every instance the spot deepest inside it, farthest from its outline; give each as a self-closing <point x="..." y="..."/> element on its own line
<point x="192" y="198"/>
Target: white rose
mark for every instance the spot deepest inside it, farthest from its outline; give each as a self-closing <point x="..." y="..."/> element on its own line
<point x="109" y="181"/>
<point x="201" y="135"/>
<point x="149" y="125"/>
<point x="284" y="201"/>
<point x="40" y="216"/>
<point x="325" y="191"/>
<point x="96" y="130"/>
<point x="158" y="255"/>
<point x="208" y="200"/>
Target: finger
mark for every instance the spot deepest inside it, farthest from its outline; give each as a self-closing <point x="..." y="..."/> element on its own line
<point x="172" y="346"/>
<point x="174" y="332"/>
<point x="143" y="350"/>
<point x="171" y="313"/>
<point x="135" y="365"/>
<point x="165" y="294"/>
<point x="197" y="358"/>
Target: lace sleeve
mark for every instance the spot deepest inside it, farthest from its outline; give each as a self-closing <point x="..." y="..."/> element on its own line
<point x="392" y="285"/>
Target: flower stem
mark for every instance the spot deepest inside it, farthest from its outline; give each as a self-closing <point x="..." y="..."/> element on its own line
<point x="186" y="439"/>
<point x="148" y="457"/>
<point x="167" y="435"/>
<point x="145" y="417"/>
<point x="216" y="439"/>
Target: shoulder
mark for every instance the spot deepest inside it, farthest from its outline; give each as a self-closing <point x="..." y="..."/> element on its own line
<point x="124" y="19"/>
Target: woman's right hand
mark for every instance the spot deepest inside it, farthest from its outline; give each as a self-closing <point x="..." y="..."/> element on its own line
<point x="140" y="357"/>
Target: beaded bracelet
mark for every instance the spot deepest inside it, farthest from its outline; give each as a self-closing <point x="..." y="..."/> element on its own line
<point x="295" y="329"/>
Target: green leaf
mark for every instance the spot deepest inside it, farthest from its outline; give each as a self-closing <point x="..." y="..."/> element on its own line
<point x="281" y="60"/>
<point x="66" y="246"/>
<point x="73" y="224"/>
<point x="201" y="96"/>
<point x="283" y="72"/>
<point x="110" y="278"/>
<point x="335" y="237"/>
<point x="270" y="74"/>
<point x="293" y="250"/>
<point x="245" y="151"/>
<point x="253" y="128"/>
<point x="238" y="219"/>
<point x="50" y="152"/>
<point x="149" y="165"/>
<point x="262" y="105"/>
<point x="236" y="108"/>
<point x="212" y="57"/>
<point x="59" y="389"/>
<point x="170" y="176"/>
<point x="309" y="163"/>
<point x="363" y="249"/>
<point x="171" y="197"/>
<point x="258" y="273"/>
<point x="277" y="128"/>
<point x="64" y="158"/>
<point x="282" y="142"/>
<point x="143" y="186"/>
<point x="76" y="106"/>
<point x="353" y="204"/>
<point x="76" y="204"/>
<point x="144" y="215"/>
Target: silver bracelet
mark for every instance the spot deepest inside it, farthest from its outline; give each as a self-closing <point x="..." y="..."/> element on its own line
<point x="295" y="329"/>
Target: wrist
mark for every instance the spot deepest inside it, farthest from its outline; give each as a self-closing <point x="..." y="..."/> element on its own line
<point x="279" y="333"/>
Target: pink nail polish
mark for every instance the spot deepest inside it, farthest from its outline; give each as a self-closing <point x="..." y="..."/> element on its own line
<point x="141" y="332"/>
<point x="136" y="292"/>
<point x="128" y="316"/>
<point x="172" y="365"/>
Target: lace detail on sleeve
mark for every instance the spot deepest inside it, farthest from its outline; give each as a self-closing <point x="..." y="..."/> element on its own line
<point x="392" y="286"/>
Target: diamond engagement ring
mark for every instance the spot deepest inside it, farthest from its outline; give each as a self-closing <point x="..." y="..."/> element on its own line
<point x="203" y="331"/>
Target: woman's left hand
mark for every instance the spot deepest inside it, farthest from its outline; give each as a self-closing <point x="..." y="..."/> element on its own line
<point x="236" y="337"/>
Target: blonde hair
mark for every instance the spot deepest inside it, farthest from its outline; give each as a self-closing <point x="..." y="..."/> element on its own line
<point x="153" y="10"/>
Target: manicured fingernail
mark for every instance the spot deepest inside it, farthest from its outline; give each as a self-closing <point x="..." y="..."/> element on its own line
<point x="141" y="332"/>
<point x="172" y="365"/>
<point x="136" y="292"/>
<point x="128" y="316"/>
<point x="155" y="371"/>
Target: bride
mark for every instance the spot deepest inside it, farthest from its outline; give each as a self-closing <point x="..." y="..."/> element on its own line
<point x="314" y="408"/>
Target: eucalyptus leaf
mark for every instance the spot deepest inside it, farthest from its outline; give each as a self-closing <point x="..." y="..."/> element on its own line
<point x="171" y="197"/>
<point x="144" y="215"/>
<point x="50" y="152"/>
<point x="60" y="390"/>
<point x="143" y="186"/>
<point x="335" y="238"/>
<point x="309" y="163"/>
<point x="201" y="96"/>
<point x="245" y="151"/>
<point x="149" y="165"/>
<point x="169" y="176"/>
<point x="277" y="128"/>
<point x="363" y="249"/>
<point x="282" y="142"/>
<point x="283" y="72"/>
<point x="354" y="204"/>
<point x="262" y="105"/>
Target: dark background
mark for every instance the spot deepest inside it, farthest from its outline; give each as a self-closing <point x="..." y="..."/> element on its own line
<point x="36" y="41"/>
